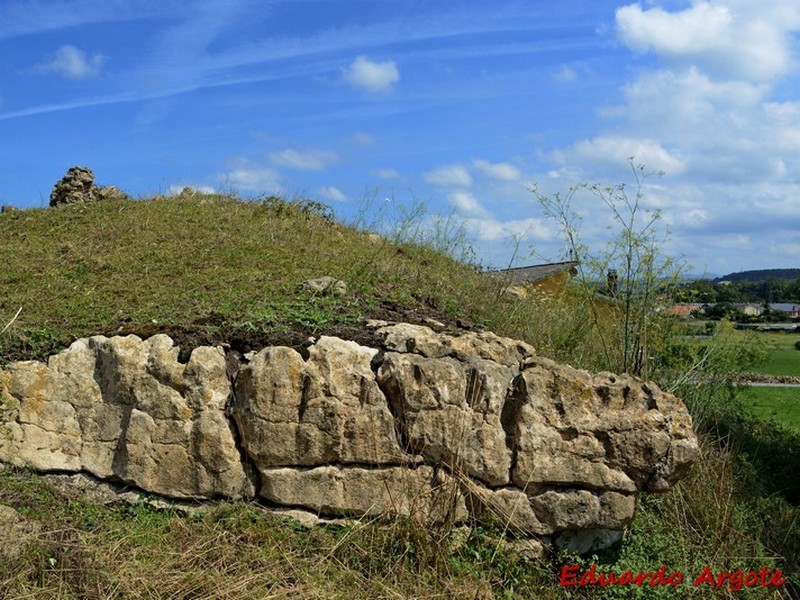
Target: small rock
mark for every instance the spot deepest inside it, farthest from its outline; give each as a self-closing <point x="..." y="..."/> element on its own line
<point x="376" y="323"/>
<point x="110" y="192"/>
<point x="325" y="285"/>
<point x="434" y="324"/>
<point x="515" y="292"/>
<point x="304" y="518"/>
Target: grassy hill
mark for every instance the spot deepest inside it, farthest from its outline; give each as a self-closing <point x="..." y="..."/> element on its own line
<point x="212" y="269"/>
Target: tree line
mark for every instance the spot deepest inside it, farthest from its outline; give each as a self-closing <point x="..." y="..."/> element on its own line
<point x="767" y="291"/>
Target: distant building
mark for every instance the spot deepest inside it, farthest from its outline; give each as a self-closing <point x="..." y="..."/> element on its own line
<point x="749" y="309"/>
<point x="536" y="273"/>
<point x="549" y="277"/>
<point x="684" y="309"/>
<point x="792" y="310"/>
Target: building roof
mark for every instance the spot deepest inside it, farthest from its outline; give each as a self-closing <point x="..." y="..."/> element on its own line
<point x="682" y="310"/>
<point x="785" y="307"/>
<point x="534" y="273"/>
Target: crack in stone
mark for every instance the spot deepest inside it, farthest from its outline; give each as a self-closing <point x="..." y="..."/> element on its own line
<point x="251" y="472"/>
<point x="396" y="410"/>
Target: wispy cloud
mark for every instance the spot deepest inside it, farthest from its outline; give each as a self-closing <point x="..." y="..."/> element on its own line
<point x="386" y="173"/>
<point x="363" y="140"/>
<point x="73" y="63"/>
<point x="565" y="74"/>
<point x="26" y="17"/>
<point x="185" y="57"/>
<point x="331" y="193"/>
<point x="375" y="77"/>
<point x="312" y="160"/>
<point x="449" y="176"/>
<point x="245" y="176"/>
<point x="502" y="171"/>
<point x="522" y="230"/>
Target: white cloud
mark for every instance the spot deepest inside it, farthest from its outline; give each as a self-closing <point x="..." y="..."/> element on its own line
<point x="503" y="171"/>
<point x="523" y="230"/>
<point x="247" y="177"/>
<point x="331" y="193"/>
<point x="312" y="160"/>
<point x="73" y="63"/>
<point x="565" y="74"/>
<point x="465" y="203"/>
<point x="688" y="100"/>
<point x="386" y="173"/>
<point x="363" y="139"/>
<point x="744" y="38"/>
<point x="715" y="130"/>
<point x="449" y="176"/>
<point x="375" y="77"/>
<point x="614" y="150"/>
<point x="698" y="28"/>
<point x="737" y="241"/>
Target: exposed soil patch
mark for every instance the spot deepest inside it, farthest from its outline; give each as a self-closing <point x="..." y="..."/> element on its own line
<point x="215" y="330"/>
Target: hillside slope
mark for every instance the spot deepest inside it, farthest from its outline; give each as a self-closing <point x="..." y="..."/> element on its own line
<point x="210" y="269"/>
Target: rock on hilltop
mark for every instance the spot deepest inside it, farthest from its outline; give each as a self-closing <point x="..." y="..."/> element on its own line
<point x="78" y="187"/>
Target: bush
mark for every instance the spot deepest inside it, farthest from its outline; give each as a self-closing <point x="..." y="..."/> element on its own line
<point x="797" y="345"/>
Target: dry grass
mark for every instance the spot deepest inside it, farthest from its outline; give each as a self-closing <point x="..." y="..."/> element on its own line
<point x="239" y="551"/>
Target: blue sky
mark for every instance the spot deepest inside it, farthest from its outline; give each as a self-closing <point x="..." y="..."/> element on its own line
<point x="463" y="105"/>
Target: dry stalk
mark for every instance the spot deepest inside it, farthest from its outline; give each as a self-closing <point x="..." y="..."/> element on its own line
<point x="11" y="321"/>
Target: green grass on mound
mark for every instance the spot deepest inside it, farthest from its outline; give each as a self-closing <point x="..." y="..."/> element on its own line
<point x="208" y="268"/>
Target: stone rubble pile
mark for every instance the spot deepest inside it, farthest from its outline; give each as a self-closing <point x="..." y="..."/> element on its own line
<point x="78" y="187"/>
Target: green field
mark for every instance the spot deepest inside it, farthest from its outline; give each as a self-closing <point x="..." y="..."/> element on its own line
<point x="778" y="404"/>
<point x="784" y="358"/>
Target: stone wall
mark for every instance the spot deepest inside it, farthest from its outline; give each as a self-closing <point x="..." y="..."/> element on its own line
<point x="428" y="425"/>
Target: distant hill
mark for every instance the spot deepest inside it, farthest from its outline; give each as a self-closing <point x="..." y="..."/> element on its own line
<point x="761" y="275"/>
<point x="697" y="276"/>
